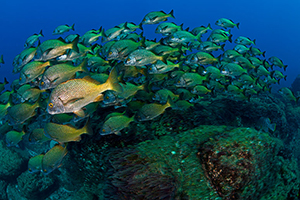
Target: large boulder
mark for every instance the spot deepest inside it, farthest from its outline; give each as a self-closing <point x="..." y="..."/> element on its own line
<point x="209" y="162"/>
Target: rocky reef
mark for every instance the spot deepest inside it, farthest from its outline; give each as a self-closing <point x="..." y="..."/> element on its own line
<point x="232" y="160"/>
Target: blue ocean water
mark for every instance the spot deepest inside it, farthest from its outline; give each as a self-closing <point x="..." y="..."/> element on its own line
<point x="274" y="24"/>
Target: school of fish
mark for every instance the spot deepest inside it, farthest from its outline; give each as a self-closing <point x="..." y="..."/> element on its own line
<point x="70" y="79"/>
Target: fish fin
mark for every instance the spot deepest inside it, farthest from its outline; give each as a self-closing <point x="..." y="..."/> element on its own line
<point x="77" y="139"/>
<point x="1" y="59"/>
<point x="87" y="128"/>
<point x="91" y="80"/>
<point x="113" y="82"/>
<point x="141" y="26"/>
<point x="73" y="100"/>
<point x="172" y="14"/>
<point x="230" y="38"/>
<point x="170" y="102"/>
<point x="123" y="49"/>
<point x="164" y="58"/>
<point x="99" y="98"/>
<point x="79" y="113"/>
<point x="61" y="39"/>
<point x="272" y="127"/>
<point x="41" y="33"/>
<point x="75" y="44"/>
<point x="5" y="81"/>
<point x="142" y="42"/>
<point x="222" y="47"/>
<point x="83" y="65"/>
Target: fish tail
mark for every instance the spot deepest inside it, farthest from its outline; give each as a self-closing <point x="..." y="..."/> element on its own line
<point x="87" y="128"/>
<point x="1" y="60"/>
<point x="264" y="54"/>
<point x="141" y="26"/>
<point x="5" y="81"/>
<point x="230" y="38"/>
<point x="272" y="74"/>
<point x="164" y="58"/>
<point x="142" y="42"/>
<point x="254" y="41"/>
<point x="272" y="127"/>
<point x="238" y="25"/>
<point x="131" y="119"/>
<point x="41" y="33"/>
<point x="170" y="102"/>
<point x="72" y="27"/>
<point x="83" y="66"/>
<point x="172" y="14"/>
<point x="209" y="27"/>
<point x="102" y="33"/>
<point x="38" y="102"/>
<point x="181" y="26"/>
<point x="285" y="66"/>
<point x="198" y="37"/>
<point x="222" y="47"/>
<point x="113" y="82"/>
<point x="75" y="43"/>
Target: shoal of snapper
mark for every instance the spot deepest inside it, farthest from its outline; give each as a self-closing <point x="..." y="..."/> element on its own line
<point x="81" y="75"/>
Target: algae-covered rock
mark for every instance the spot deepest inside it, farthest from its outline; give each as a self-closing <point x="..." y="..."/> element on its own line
<point x="209" y="162"/>
<point x="36" y="186"/>
<point x="11" y="163"/>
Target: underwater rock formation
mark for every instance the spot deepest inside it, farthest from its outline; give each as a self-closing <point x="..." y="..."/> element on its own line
<point x="35" y="186"/>
<point x="206" y="162"/>
<point x="11" y="163"/>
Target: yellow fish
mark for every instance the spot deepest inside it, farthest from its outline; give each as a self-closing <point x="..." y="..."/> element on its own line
<point x="150" y="111"/>
<point x="73" y="95"/>
<point x="35" y="163"/>
<point x="37" y="136"/>
<point x="65" y="133"/>
<point x="13" y="138"/>
<point x="53" y="158"/>
<point x="19" y="113"/>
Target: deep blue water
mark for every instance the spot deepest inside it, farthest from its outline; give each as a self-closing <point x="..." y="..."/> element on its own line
<point x="274" y="24"/>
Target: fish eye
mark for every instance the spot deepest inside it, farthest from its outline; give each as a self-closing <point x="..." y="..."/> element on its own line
<point x="20" y="78"/>
<point x="42" y="83"/>
<point x="178" y="81"/>
<point x="29" y="169"/>
<point x="109" y="53"/>
<point x="144" y="19"/>
<point x="103" y="130"/>
<point x="107" y="97"/>
<point x="128" y="59"/>
<point x="45" y="170"/>
<point x="50" y="105"/>
<point x="172" y="37"/>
